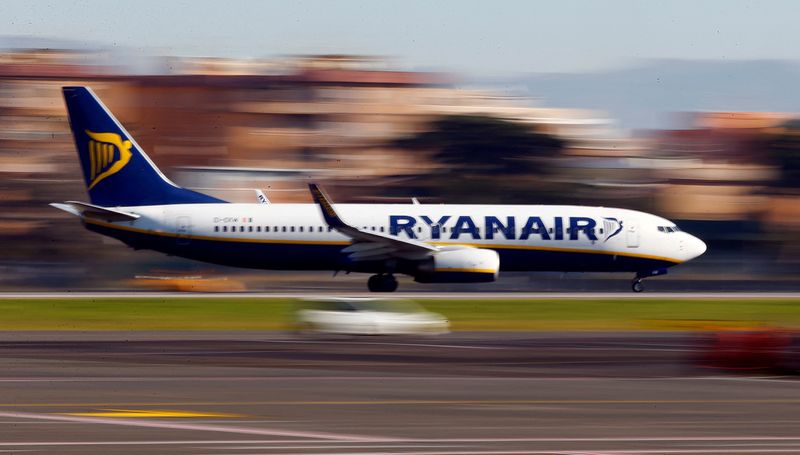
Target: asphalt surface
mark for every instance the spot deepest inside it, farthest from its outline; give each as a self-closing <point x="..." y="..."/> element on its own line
<point x="255" y="393"/>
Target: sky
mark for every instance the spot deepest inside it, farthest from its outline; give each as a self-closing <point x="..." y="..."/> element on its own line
<point x="476" y="37"/>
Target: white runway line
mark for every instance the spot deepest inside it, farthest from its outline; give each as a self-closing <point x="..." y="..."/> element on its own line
<point x="555" y="452"/>
<point x="150" y="443"/>
<point x="199" y="427"/>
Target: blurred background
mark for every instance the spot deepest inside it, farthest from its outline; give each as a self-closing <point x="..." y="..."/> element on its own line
<point x="662" y="109"/>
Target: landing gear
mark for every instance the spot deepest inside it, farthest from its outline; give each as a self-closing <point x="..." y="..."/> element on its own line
<point x="382" y="283"/>
<point x="637" y="285"/>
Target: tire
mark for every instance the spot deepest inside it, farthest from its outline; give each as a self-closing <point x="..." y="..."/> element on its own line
<point x="637" y="286"/>
<point x="382" y="283"/>
<point x="374" y="283"/>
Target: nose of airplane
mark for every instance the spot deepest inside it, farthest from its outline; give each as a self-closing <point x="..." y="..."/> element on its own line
<point x="695" y="247"/>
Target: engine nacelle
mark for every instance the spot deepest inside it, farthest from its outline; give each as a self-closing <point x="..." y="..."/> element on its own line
<point x="462" y="265"/>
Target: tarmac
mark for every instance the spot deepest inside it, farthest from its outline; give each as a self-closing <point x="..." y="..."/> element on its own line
<point x="466" y="393"/>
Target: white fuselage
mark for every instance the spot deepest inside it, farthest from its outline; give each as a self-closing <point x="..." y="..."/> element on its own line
<point x="528" y="237"/>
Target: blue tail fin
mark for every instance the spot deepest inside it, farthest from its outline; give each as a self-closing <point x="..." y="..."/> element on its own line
<point x="116" y="170"/>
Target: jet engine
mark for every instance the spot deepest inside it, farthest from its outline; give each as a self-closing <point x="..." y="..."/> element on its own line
<point x="459" y="265"/>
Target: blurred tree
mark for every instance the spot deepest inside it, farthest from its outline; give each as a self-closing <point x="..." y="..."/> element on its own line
<point x="485" y="144"/>
<point x="784" y="148"/>
<point x="485" y="159"/>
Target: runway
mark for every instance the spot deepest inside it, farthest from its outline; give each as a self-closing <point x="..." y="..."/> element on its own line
<point x="272" y="393"/>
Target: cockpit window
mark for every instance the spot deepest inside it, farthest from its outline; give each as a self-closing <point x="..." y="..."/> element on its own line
<point x="669" y="229"/>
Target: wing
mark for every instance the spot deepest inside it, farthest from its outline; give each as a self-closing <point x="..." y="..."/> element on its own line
<point x="368" y="245"/>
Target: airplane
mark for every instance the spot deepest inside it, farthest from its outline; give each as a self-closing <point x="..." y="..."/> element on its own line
<point x="133" y="201"/>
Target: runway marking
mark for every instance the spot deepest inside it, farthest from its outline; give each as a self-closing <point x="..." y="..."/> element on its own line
<point x="382" y="343"/>
<point x="150" y="414"/>
<point x="151" y="443"/>
<point x="562" y="452"/>
<point x="408" y="402"/>
<point x="413" y="441"/>
<point x="199" y="427"/>
<point x="779" y="379"/>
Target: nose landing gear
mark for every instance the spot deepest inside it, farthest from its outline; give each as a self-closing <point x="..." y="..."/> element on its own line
<point x="382" y="283"/>
<point x="637" y="285"/>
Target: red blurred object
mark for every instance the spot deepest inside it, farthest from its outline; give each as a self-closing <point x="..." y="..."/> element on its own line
<point x="761" y="350"/>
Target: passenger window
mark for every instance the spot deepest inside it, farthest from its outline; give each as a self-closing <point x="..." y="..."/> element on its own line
<point x="266" y="228"/>
<point x="550" y="230"/>
<point x="258" y="228"/>
<point x="320" y="229"/>
<point x="241" y="228"/>
<point x="250" y="228"/>
<point x="216" y="228"/>
<point x="283" y="228"/>
<point x="224" y="228"/>
<point x="291" y="229"/>
<point x="301" y="228"/>
<point x="381" y="228"/>
<point x="601" y="230"/>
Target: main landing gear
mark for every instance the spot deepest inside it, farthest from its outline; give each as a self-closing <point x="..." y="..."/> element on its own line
<point x="637" y="285"/>
<point x="382" y="283"/>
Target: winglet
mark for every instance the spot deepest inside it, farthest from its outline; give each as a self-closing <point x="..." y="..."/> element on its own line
<point x="328" y="213"/>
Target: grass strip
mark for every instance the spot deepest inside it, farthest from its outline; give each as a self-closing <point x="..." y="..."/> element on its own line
<point x="232" y="313"/>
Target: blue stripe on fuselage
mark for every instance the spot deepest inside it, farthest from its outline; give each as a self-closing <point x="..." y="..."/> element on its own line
<point x="309" y="256"/>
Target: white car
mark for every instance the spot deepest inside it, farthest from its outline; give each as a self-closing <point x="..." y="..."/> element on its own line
<point x="368" y="317"/>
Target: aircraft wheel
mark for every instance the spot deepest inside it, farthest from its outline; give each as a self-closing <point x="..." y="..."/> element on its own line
<point x="374" y="283"/>
<point x="391" y="283"/>
<point x="637" y="286"/>
<point x="382" y="283"/>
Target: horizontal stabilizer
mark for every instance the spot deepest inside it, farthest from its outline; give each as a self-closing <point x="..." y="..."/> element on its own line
<point x="84" y="210"/>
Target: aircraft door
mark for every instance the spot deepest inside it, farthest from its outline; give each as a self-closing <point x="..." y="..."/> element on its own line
<point x="632" y="233"/>
<point x="183" y="228"/>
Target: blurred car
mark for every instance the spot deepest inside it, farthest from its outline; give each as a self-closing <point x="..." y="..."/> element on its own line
<point x="367" y="316"/>
<point x="758" y="350"/>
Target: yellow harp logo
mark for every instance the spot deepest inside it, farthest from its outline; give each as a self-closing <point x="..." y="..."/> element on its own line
<point x="108" y="153"/>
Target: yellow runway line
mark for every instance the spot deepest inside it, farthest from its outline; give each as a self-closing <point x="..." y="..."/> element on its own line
<point x="150" y="414"/>
<point x="408" y="403"/>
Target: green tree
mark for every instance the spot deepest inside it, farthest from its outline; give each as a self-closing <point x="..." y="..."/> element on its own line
<point x="485" y="160"/>
<point x="486" y="145"/>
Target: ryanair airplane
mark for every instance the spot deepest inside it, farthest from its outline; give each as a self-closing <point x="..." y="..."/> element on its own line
<point x="131" y="200"/>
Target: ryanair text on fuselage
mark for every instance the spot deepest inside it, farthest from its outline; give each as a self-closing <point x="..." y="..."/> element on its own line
<point x="557" y="228"/>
